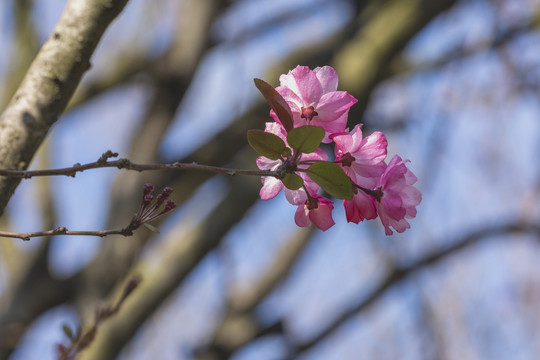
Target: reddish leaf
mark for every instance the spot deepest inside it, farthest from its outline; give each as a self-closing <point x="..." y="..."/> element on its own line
<point x="276" y="102"/>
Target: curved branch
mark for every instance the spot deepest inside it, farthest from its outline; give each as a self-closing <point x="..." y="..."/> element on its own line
<point x="50" y="83"/>
<point x="399" y="274"/>
<point x="239" y="325"/>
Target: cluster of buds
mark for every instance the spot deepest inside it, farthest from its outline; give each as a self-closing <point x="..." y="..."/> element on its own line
<point x="150" y="208"/>
<point x="307" y="109"/>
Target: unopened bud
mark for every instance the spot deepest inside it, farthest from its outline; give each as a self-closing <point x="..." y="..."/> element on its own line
<point x="148" y="188"/>
<point x="170" y="205"/>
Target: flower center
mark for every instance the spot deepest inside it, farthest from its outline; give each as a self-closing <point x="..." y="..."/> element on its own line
<point x="308" y="113"/>
<point x="312" y="203"/>
<point x="346" y="159"/>
<point x="378" y="194"/>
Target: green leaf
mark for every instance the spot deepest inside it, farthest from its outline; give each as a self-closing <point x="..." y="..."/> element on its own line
<point x="151" y="228"/>
<point x="286" y="153"/>
<point x="306" y="138"/>
<point x="68" y="332"/>
<point x="266" y="144"/>
<point x="276" y="102"/>
<point x="292" y="181"/>
<point x="332" y="179"/>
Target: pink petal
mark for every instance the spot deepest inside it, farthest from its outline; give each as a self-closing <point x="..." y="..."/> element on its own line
<point x="373" y="148"/>
<point x="264" y="163"/>
<point x="333" y="105"/>
<point x="296" y="197"/>
<point x="327" y="77"/>
<point x="330" y="128"/>
<point x="277" y="129"/>
<point x="322" y="216"/>
<point x="309" y="87"/>
<point x="271" y="187"/>
<point x="400" y="226"/>
<point x="393" y="205"/>
<point x="288" y="81"/>
<point x="411" y="199"/>
<point x="343" y="142"/>
<point x="400" y="197"/>
<point x="410" y="178"/>
<point x="291" y="96"/>
<point x="318" y="154"/>
<point x="360" y="208"/>
<point x="366" y="175"/>
<point x="301" y="217"/>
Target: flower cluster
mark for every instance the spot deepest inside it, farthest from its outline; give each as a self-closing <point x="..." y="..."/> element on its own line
<point x="307" y="109"/>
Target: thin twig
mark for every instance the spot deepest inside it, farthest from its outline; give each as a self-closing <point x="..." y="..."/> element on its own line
<point x="80" y="340"/>
<point x="103" y="162"/>
<point x="63" y="231"/>
<point x="149" y="209"/>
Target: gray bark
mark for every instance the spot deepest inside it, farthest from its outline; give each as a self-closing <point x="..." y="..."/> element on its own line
<point x="49" y="84"/>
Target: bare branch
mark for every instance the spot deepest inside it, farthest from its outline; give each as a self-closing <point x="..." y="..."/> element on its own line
<point x="401" y="66"/>
<point x="63" y="231"/>
<point x="81" y="340"/>
<point x="239" y="325"/>
<point x="399" y="274"/>
<point x="149" y="209"/>
<point x="126" y="164"/>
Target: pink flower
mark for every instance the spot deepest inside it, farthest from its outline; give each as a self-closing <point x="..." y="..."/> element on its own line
<point x="272" y="186"/>
<point x="362" y="159"/>
<point x="317" y="210"/>
<point x="360" y="208"/>
<point x="399" y="197"/>
<point x="313" y="99"/>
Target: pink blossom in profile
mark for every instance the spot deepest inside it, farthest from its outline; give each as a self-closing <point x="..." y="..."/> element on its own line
<point x="362" y="159"/>
<point x="314" y="100"/>
<point x="399" y="197"/>
<point x="317" y="210"/>
<point x="361" y="207"/>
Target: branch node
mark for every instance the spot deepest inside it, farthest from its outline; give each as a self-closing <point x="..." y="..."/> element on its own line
<point x="75" y="169"/>
<point x="106" y="156"/>
<point x="60" y="230"/>
<point x="127" y="231"/>
<point x="124" y="163"/>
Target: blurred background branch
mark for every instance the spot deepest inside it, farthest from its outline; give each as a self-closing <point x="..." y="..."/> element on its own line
<point x="454" y="84"/>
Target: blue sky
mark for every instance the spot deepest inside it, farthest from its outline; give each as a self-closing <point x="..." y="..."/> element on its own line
<point x="481" y="136"/>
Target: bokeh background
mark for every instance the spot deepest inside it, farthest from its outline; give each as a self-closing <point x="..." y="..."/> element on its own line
<point x="455" y="86"/>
